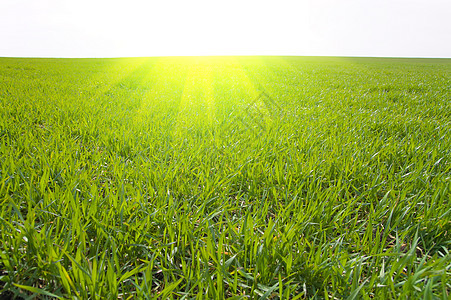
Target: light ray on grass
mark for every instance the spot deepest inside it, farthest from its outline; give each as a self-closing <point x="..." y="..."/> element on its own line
<point x="345" y="197"/>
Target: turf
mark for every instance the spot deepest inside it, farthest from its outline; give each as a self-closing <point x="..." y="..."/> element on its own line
<point x="217" y="177"/>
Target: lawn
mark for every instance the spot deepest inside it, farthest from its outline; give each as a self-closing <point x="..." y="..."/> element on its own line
<point x="225" y="177"/>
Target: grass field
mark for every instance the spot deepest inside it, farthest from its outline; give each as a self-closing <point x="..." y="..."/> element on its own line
<point x="241" y="177"/>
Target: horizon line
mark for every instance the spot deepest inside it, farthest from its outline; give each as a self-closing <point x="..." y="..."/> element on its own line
<point x="218" y="55"/>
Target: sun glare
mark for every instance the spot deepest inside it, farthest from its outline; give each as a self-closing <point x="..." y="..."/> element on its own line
<point x="54" y="28"/>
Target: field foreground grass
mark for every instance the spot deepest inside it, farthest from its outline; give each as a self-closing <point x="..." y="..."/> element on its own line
<point x="225" y="177"/>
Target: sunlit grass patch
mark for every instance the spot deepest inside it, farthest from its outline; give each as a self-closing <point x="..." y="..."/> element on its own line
<point x="215" y="177"/>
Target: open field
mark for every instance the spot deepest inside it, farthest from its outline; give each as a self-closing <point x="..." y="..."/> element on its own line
<point x="242" y="177"/>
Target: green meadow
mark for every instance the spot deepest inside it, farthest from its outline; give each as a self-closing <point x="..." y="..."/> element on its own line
<point x="225" y="177"/>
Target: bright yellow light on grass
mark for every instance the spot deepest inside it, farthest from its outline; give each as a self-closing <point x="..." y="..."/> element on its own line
<point x="196" y="84"/>
<point x="200" y="91"/>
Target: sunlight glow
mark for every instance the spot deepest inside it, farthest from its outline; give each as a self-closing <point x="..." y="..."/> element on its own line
<point x="55" y="28"/>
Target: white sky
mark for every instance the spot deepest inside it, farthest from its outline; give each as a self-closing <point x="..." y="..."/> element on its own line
<point x="109" y="28"/>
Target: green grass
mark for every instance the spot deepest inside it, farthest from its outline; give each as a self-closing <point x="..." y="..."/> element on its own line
<point x="172" y="178"/>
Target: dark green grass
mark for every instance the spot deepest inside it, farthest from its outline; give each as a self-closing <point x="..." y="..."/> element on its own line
<point x="176" y="177"/>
